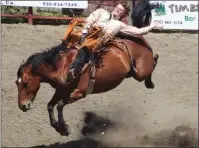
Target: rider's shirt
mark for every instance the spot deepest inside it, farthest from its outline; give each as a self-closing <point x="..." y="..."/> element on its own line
<point x="111" y="26"/>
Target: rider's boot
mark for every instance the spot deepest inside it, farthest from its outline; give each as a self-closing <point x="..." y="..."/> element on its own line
<point x="82" y="57"/>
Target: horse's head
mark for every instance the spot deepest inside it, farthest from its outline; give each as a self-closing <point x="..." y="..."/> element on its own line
<point x="28" y="85"/>
<point x="48" y="66"/>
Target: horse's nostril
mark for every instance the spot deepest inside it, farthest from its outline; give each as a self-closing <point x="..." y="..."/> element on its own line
<point x="28" y="104"/>
<point x="24" y="107"/>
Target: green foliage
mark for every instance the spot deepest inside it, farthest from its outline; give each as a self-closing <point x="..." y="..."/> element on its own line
<point x="44" y="13"/>
<point x="13" y="10"/>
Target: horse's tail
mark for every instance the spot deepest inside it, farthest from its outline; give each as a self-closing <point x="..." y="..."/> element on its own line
<point x="141" y="15"/>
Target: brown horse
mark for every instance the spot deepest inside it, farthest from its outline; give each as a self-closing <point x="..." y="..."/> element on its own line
<point x="51" y="67"/>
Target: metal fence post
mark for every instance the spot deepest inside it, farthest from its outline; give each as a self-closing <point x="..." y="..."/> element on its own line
<point x="30" y="15"/>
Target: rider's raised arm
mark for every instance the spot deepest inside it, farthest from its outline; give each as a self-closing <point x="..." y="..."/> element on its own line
<point x="134" y="30"/>
<point x="94" y="17"/>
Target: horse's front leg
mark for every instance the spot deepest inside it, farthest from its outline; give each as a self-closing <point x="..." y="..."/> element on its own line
<point x="50" y="107"/>
<point x="64" y="129"/>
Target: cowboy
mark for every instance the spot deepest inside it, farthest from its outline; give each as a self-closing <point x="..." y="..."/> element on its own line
<point x="112" y="25"/>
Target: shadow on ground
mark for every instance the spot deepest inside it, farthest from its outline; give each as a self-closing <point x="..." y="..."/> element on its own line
<point x="84" y="143"/>
<point x="93" y="125"/>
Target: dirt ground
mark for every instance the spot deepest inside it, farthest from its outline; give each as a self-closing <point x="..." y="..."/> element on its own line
<point x="130" y="115"/>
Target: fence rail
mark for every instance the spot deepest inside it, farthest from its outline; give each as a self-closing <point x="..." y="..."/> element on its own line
<point x="31" y="17"/>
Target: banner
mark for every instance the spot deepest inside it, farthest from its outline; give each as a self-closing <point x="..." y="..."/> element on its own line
<point x="55" y="4"/>
<point x="176" y="14"/>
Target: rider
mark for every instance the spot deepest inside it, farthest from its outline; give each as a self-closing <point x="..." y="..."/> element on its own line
<point x="111" y="24"/>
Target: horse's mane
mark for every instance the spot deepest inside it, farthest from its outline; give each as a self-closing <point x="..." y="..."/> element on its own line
<point x="48" y="56"/>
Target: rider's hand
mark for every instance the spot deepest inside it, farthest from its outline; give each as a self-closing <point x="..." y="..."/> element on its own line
<point x="83" y="35"/>
<point x="85" y="31"/>
<point x="157" y="25"/>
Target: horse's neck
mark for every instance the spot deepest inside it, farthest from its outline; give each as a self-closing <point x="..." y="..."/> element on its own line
<point x="44" y="72"/>
<point x="50" y="74"/>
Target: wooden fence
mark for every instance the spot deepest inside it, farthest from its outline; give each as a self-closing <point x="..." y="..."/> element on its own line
<point x="92" y="5"/>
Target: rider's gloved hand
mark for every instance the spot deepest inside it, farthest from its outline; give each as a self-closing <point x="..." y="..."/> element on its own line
<point x="156" y="25"/>
<point x="84" y="33"/>
<point x="85" y="29"/>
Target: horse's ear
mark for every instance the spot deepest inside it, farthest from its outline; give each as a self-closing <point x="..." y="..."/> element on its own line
<point x="28" y="69"/>
<point x="22" y="62"/>
<point x="61" y="53"/>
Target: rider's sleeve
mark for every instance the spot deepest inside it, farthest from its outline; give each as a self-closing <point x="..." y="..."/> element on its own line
<point x="94" y="16"/>
<point x="134" y="30"/>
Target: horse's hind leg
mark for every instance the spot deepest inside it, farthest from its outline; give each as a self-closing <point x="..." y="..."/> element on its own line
<point x="148" y="82"/>
<point x="64" y="129"/>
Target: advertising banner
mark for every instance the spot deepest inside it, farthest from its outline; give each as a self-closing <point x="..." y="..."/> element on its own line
<point x="182" y="15"/>
<point x="55" y="4"/>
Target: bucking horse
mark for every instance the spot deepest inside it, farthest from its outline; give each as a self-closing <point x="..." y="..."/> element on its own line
<point x="121" y="58"/>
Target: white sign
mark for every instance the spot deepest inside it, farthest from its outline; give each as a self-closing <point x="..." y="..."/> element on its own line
<point x="176" y="14"/>
<point x="55" y="4"/>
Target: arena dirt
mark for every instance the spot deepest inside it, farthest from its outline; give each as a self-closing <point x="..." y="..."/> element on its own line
<point x="130" y="115"/>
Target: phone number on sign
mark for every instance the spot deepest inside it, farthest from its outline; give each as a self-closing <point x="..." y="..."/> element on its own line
<point x="59" y="4"/>
<point x="168" y="22"/>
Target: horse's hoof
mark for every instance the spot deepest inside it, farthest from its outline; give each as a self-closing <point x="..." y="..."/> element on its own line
<point x="64" y="130"/>
<point x="149" y="85"/>
<point x="156" y="57"/>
